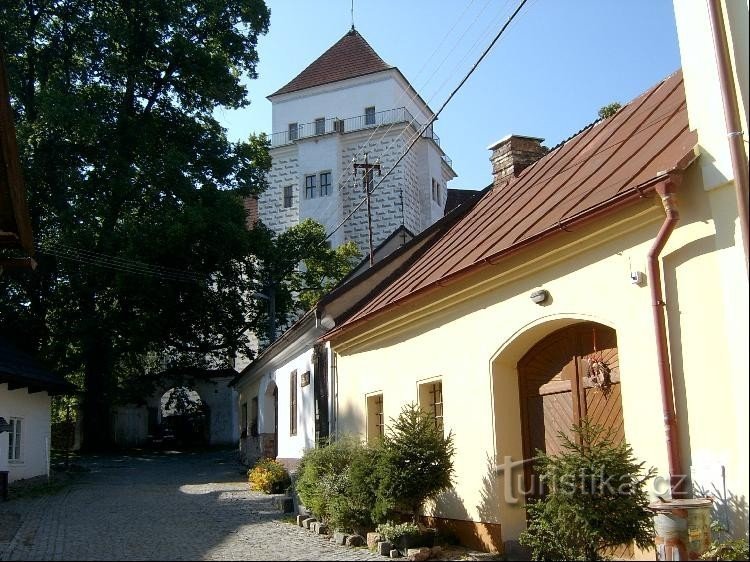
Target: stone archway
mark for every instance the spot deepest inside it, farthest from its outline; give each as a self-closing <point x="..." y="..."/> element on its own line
<point x="183" y="418"/>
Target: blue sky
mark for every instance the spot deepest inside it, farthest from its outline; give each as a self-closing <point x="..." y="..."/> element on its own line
<point x="558" y="63"/>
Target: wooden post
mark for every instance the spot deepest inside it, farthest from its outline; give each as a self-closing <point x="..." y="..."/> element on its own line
<point x="366" y="179"/>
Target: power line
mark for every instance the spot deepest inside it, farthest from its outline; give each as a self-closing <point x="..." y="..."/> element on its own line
<point x="434" y="117"/>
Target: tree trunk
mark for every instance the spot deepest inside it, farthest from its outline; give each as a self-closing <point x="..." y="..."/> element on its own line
<point x="97" y="368"/>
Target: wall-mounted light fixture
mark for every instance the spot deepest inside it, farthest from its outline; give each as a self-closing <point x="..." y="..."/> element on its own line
<point x="540" y="296"/>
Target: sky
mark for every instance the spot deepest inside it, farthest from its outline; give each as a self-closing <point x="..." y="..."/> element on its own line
<point x="547" y="76"/>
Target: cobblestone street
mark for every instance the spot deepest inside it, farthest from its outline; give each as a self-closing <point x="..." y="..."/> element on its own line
<point x="165" y="506"/>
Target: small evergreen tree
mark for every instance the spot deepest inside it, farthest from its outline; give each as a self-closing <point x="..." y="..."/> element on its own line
<point x="415" y="464"/>
<point x="596" y="499"/>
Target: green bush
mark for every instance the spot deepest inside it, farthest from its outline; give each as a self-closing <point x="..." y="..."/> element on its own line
<point x="596" y="499"/>
<point x="395" y="533"/>
<point x="415" y="464"/>
<point x="338" y="484"/>
<point x="725" y="548"/>
<point x="268" y="476"/>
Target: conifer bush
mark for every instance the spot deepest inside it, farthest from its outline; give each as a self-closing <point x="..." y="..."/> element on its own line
<point x="596" y="499"/>
<point x="415" y="464"/>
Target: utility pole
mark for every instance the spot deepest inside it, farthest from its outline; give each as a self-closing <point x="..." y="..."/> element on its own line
<point x="366" y="181"/>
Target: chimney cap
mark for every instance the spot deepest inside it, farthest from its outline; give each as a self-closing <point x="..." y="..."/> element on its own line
<point x="506" y="138"/>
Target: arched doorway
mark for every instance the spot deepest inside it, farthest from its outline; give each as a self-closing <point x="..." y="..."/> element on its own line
<point x="571" y="374"/>
<point x="269" y="443"/>
<point x="183" y="418"/>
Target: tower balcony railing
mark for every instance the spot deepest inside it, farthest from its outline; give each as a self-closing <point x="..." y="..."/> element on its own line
<point x="372" y="120"/>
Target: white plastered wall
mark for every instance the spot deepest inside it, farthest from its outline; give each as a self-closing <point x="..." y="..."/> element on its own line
<point x="474" y="346"/>
<point x="34" y="410"/>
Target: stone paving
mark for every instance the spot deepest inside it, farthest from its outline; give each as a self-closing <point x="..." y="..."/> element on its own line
<point x="162" y="506"/>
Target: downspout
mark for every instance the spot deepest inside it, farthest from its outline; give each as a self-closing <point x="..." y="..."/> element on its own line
<point x="676" y="473"/>
<point x="731" y="116"/>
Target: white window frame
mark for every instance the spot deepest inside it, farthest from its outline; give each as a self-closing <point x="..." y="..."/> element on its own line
<point x="288" y="196"/>
<point x="370" y="112"/>
<point x="328" y="190"/>
<point x="426" y="395"/>
<point x="293" y="131"/>
<point x="310" y="187"/>
<point x="15" y="440"/>
<point x="320" y="126"/>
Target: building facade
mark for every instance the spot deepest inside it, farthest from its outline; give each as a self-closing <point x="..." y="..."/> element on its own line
<point x="345" y="106"/>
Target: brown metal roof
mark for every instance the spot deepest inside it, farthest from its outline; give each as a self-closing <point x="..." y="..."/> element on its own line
<point x="349" y="57"/>
<point x="600" y="167"/>
<point x="458" y="197"/>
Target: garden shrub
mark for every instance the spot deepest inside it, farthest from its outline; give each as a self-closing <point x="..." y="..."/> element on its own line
<point x="395" y="533"/>
<point x="724" y="547"/>
<point x="268" y="476"/>
<point x="596" y="499"/>
<point x="415" y="463"/>
<point x="337" y="483"/>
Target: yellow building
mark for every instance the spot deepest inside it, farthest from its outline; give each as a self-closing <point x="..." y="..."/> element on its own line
<point x="546" y="302"/>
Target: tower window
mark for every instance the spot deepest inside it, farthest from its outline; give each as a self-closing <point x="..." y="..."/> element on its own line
<point x="370" y="115"/>
<point x="310" y="187"/>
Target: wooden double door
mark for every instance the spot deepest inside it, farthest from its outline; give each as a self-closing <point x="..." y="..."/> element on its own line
<point x="570" y="375"/>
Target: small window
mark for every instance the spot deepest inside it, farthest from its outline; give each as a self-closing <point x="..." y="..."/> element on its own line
<point x="431" y="401"/>
<point x="293" y="403"/>
<point x="14" y="440"/>
<point x="310" y="187"/>
<point x="293" y="131"/>
<point x="320" y="126"/>
<point x="243" y="420"/>
<point x="370" y="115"/>
<point x="288" y="196"/>
<point x="435" y="191"/>
<point x="254" y="417"/>
<point x="375" y="420"/>
<point x="325" y="184"/>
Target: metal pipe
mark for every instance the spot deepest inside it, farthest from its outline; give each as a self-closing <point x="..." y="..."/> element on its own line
<point x="676" y="473"/>
<point x="732" y="117"/>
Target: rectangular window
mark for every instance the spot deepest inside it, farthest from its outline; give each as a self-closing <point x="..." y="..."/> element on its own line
<point x="431" y="401"/>
<point x="310" y="187"/>
<point x="254" y="417"/>
<point x="370" y="115"/>
<point x="325" y="184"/>
<point x="293" y="403"/>
<point x="293" y="131"/>
<point x="243" y="420"/>
<point x="375" y="420"/>
<point x="320" y="126"/>
<point x="288" y="196"/>
<point x="14" y="439"/>
<point x="435" y="190"/>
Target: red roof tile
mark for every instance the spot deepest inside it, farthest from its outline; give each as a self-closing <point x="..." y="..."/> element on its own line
<point x="602" y="165"/>
<point x="349" y="57"/>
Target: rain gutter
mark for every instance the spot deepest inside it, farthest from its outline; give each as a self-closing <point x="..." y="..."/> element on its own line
<point x="676" y="473"/>
<point x="732" y="117"/>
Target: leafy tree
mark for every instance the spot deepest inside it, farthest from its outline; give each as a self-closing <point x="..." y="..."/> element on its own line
<point x="416" y="463"/>
<point x="609" y="110"/>
<point x="125" y="165"/>
<point x="295" y="268"/>
<point x="596" y="499"/>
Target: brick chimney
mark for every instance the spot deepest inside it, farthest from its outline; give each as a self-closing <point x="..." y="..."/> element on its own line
<point x="512" y="154"/>
<point x="251" y="211"/>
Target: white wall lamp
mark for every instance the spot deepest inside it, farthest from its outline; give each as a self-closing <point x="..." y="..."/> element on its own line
<point x="540" y="296"/>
